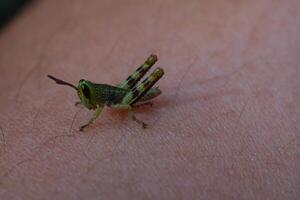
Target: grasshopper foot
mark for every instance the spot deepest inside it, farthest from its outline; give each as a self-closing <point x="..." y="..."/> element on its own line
<point x="77" y="103"/>
<point x="82" y="127"/>
<point x="144" y="125"/>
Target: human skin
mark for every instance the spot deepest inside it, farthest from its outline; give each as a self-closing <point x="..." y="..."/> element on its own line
<point x="225" y="127"/>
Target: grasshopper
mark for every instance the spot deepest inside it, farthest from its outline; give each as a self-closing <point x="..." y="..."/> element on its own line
<point x="125" y="95"/>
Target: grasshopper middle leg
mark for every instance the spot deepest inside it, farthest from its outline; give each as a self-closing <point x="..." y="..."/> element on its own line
<point x="131" y="114"/>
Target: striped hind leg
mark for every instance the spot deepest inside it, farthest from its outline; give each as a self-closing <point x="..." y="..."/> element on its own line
<point x="134" y="78"/>
<point x="139" y="91"/>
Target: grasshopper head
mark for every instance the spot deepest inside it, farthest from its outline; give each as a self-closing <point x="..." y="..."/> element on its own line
<point x="85" y="92"/>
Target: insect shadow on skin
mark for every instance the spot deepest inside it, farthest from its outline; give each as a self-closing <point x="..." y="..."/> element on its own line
<point x="126" y="95"/>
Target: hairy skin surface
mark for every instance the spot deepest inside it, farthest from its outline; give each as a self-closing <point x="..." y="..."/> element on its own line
<point x="226" y="125"/>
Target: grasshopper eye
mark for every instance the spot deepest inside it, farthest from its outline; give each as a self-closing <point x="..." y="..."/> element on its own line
<point x="86" y="91"/>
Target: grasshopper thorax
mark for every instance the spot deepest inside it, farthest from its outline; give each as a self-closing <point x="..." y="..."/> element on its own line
<point x="85" y="93"/>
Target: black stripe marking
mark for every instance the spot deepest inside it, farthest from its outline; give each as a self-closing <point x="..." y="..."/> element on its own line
<point x="140" y="69"/>
<point x="146" y="79"/>
<point x="128" y="78"/>
<point x="130" y="81"/>
<point x="135" y="93"/>
<point x="147" y="84"/>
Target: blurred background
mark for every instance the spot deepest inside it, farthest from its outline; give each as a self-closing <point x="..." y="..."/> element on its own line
<point x="10" y="8"/>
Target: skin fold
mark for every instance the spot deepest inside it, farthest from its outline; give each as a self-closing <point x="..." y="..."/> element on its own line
<point x="226" y="125"/>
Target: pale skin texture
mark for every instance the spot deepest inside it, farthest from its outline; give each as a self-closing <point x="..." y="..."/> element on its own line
<point x="225" y="127"/>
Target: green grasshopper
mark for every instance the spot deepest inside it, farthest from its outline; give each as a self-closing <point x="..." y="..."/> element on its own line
<point x="122" y="96"/>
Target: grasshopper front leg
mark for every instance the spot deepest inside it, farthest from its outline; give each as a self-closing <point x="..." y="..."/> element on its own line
<point x="97" y="114"/>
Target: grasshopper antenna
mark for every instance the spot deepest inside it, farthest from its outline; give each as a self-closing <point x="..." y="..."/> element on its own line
<point x="61" y="82"/>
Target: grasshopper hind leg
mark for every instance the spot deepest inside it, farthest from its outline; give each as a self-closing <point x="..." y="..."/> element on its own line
<point x="142" y="91"/>
<point x="134" y="78"/>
